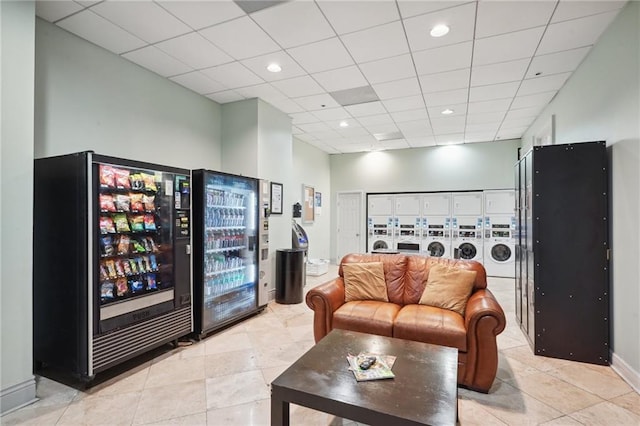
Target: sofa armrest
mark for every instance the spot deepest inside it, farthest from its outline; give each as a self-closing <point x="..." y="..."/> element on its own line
<point x="484" y="320"/>
<point x="324" y="300"/>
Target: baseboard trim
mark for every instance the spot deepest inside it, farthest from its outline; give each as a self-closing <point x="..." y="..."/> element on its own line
<point x="625" y="371"/>
<point x="17" y="396"/>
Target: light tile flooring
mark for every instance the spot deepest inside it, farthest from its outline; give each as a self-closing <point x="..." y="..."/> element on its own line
<point x="224" y="380"/>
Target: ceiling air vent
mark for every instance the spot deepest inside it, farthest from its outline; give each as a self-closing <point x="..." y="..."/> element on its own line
<point x="357" y="95"/>
<point x="389" y="136"/>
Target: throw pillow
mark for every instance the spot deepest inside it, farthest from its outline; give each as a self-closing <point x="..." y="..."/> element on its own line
<point x="448" y="288"/>
<point x="364" y="281"/>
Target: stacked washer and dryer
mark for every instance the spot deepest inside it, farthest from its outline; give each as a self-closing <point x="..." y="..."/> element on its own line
<point x="466" y="224"/>
<point x="436" y="224"/>
<point x="499" y="238"/>
<point x="407" y="222"/>
<point x="380" y="226"/>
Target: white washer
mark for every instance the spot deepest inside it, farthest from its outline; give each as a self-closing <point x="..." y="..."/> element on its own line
<point x="467" y="237"/>
<point x="436" y="236"/>
<point x="499" y="246"/>
<point x="380" y="233"/>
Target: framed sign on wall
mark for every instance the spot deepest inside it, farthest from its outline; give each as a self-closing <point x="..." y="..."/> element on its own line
<point x="276" y="198"/>
<point x="308" y="204"/>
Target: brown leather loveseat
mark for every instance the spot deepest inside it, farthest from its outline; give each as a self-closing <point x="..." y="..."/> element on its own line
<point x="474" y="335"/>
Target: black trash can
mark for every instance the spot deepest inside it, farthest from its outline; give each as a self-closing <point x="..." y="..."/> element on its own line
<point x="289" y="275"/>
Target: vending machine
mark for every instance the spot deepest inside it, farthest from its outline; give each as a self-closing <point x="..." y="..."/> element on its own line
<point x="112" y="267"/>
<point x="226" y="249"/>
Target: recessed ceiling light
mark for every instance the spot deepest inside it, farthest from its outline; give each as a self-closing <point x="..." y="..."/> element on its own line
<point x="439" y="30"/>
<point x="344" y="124"/>
<point x="273" y="67"/>
<point x="447" y="111"/>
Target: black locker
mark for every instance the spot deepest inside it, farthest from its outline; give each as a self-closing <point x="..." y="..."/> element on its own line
<point x="563" y="251"/>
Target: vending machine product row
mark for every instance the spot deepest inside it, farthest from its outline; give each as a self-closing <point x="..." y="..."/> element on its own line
<point x="112" y="268"/>
<point x="226" y="274"/>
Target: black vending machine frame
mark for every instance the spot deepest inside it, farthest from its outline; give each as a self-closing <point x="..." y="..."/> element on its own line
<point x="199" y="203"/>
<point x="67" y="337"/>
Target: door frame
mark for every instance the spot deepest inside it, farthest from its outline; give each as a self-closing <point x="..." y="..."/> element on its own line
<point x="362" y="228"/>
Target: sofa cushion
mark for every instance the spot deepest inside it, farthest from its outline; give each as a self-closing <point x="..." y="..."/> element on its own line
<point x="394" y="269"/>
<point x="364" y="281"/>
<point x="433" y="325"/>
<point x="448" y="288"/>
<point x="366" y="316"/>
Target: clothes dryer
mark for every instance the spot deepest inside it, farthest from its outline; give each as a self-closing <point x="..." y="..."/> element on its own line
<point x="467" y="238"/>
<point x="380" y="233"/>
<point x="499" y="202"/>
<point x="466" y="204"/>
<point x="436" y="236"/>
<point x="499" y="246"/>
<point x="407" y="233"/>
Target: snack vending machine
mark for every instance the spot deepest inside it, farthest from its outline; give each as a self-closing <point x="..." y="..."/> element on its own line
<point x="112" y="267"/>
<point x="225" y="264"/>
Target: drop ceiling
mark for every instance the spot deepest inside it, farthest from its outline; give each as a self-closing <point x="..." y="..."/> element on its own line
<point x="369" y="64"/>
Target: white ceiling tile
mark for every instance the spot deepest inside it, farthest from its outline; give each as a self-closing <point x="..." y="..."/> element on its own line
<point x="375" y="119"/>
<point x="264" y="91"/>
<point x="285" y="105"/>
<point x="482" y="128"/>
<point x="499" y="17"/>
<point x="458" y="110"/>
<point x="404" y="104"/>
<point x="314" y="127"/>
<point x="459" y="19"/>
<point x="523" y="112"/>
<point x="445" y="81"/>
<point x="328" y="134"/>
<point x="421" y="141"/>
<point x="394" y="144"/>
<point x="450" y="97"/>
<point x="576" y="33"/>
<point x="322" y="55"/>
<point x="440" y="59"/>
<point x="507" y="47"/>
<point x="351" y="124"/>
<point x="511" y="133"/>
<point x="515" y="123"/>
<point x="368" y="108"/>
<point x="487" y="117"/>
<point x="443" y="126"/>
<point x="353" y="132"/>
<point x="381" y="128"/>
<point x="87" y="3"/>
<point x="294" y="23"/>
<point x="225" y="96"/>
<point x="144" y="19"/>
<point x="198" y="82"/>
<point x="350" y="16"/>
<point x="200" y="14"/>
<point x="415" y="129"/>
<point x="555" y="63"/>
<point x="157" y="61"/>
<point x="331" y="114"/>
<point x="195" y="51"/>
<point x="450" y="139"/>
<point x="241" y="38"/>
<point x="577" y="9"/>
<point x="306" y="137"/>
<point x="315" y="102"/>
<point x="100" y="31"/>
<point x="296" y="131"/>
<point x="533" y="100"/>
<point x="259" y="66"/>
<point x="410" y="8"/>
<point x="298" y="86"/>
<point x="390" y="69"/>
<point x="543" y="84"/>
<point x="377" y="43"/>
<point x="303" y="118"/>
<point x="498" y="73"/>
<point x="479" y="137"/>
<point x="233" y="75"/>
<point x="397" y="88"/>
<point x="340" y="79"/>
<point x="496" y="105"/>
<point x="410" y="115"/>
<point x="493" y="91"/>
<point x="53" y="10"/>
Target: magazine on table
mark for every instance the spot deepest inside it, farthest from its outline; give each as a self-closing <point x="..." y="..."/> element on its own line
<point x="380" y="366"/>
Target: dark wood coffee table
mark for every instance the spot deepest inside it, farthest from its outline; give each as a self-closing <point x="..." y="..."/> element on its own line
<point x="424" y="390"/>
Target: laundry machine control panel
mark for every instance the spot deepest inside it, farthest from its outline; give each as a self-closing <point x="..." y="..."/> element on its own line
<point x="466" y="228"/>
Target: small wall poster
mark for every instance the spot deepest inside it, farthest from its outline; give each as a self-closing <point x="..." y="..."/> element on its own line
<point x="318" y="203"/>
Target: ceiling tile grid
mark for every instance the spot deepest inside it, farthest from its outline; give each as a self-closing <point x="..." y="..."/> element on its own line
<point x="354" y="73"/>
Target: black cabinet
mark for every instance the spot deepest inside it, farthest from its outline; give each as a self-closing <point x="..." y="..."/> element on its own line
<point x="562" y="271"/>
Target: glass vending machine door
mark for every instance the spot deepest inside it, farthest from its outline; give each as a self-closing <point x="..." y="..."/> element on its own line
<point x="230" y="256"/>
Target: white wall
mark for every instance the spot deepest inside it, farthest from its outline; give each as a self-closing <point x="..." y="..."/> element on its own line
<point x="240" y="138"/>
<point x="311" y="166"/>
<point x="87" y="98"/>
<point x="473" y="166"/>
<point x="601" y="101"/>
<point x="17" y="21"/>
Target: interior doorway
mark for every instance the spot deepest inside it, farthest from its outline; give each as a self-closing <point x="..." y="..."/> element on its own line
<point x="350" y="223"/>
